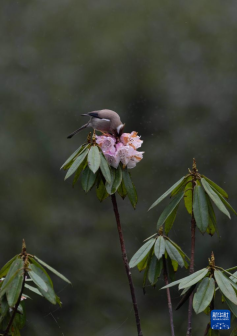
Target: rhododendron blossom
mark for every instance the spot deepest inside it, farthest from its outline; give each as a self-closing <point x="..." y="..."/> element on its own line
<point x="122" y="150"/>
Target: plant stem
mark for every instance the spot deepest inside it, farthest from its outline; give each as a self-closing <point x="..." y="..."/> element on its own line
<point x="191" y="268"/>
<point x="168" y="296"/>
<point x="126" y="264"/>
<point x="6" y="333"/>
<point x="207" y="329"/>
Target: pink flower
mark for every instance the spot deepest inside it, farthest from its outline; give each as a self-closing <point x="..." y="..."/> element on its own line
<point x="131" y="139"/>
<point x="122" y="150"/>
<point x="113" y="159"/>
<point x="106" y="143"/>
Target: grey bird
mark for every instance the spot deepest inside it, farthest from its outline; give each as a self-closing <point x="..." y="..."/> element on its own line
<point x="105" y="121"/>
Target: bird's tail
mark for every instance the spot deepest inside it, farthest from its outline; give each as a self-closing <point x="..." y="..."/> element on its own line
<point x="78" y="130"/>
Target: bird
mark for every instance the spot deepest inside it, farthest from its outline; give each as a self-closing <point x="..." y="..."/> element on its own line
<point x="105" y="121"/>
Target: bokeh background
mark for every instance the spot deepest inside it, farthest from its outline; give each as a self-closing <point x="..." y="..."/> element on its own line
<point x="169" y="68"/>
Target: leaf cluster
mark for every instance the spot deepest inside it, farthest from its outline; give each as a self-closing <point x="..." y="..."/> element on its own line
<point x="89" y="162"/>
<point x="150" y="257"/>
<point x="199" y="194"/>
<point x="16" y="275"/>
<point x="207" y="280"/>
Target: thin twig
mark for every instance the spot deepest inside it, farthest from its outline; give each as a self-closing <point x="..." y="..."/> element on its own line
<point x="126" y="264"/>
<point x="207" y="329"/>
<point x="191" y="268"/>
<point x="168" y="296"/>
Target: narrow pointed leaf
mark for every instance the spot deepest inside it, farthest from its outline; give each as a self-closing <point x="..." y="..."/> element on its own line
<point x="88" y="179"/>
<point x="227" y="204"/>
<point x="215" y="186"/>
<point x="200" y="208"/>
<point x="170" y="268"/>
<point x="122" y="190"/>
<point x="159" y="248"/>
<point x="185" y="295"/>
<point x="33" y="289"/>
<point x="146" y="270"/>
<point x="231" y="306"/>
<point x="37" y="269"/>
<point x="141" y="253"/>
<point x="225" y="286"/>
<point x="174" y="253"/>
<point x="166" y="193"/>
<point x="101" y="191"/>
<point x="6" y="267"/>
<point x="15" y="268"/>
<point x="169" y="209"/>
<point x="179" y="187"/>
<point x="50" y="268"/>
<point x="178" y="248"/>
<point x="154" y="269"/>
<point x="116" y="179"/>
<point x="104" y="167"/>
<point x="212" y="216"/>
<point x="76" y="163"/>
<point x="38" y="281"/>
<point x="143" y="263"/>
<point x="14" y="289"/>
<point x="203" y="296"/>
<point x="170" y="220"/>
<point x="78" y="172"/>
<point x="131" y="191"/>
<point x="188" y="195"/>
<point x="94" y="159"/>
<point x="193" y="278"/>
<point x="71" y="157"/>
<point x="215" y="198"/>
<point x="174" y="283"/>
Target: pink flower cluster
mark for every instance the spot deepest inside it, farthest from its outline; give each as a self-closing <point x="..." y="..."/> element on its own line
<point x="124" y="150"/>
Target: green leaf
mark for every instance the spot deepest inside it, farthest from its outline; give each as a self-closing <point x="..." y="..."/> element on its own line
<point x="104" y="167"/>
<point x="33" y="289"/>
<point x="203" y="296"/>
<point x="170" y="220"/>
<point x="212" y="217"/>
<point x="50" y="268"/>
<point x="180" y="187"/>
<point x="200" y="208"/>
<point x="159" y="248"/>
<point x="226" y="203"/>
<point x="188" y="195"/>
<point x="15" y="268"/>
<point x="231" y="306"/>
<point x="146" y="270"/>
<point x="174" y="253"/>
<point x="71" y="157"/>
<point x="174" y="283"/>
<point x="211" y="228"/>
<point x="154" y="269"/>
<point x="38" y="281"/>
<point x="166" y="193"/>
<point x="122" y="190"/>
<point x="14" y="289"/>
<point x="116" y="179"/>
<point x="225" y="286"/>
<point x="175" y="265"/>
<point x="6" y="267"/>
<point x="4" y="308"/>
<point x="76" y="163"/>
<point x="178" y="248"/>
<point x="216" y="187"/>
<point x="141" y="253"/>
<point x="216" y="199"/>
<point x="101" y="191"/>
<point x="131" y="191"/>
<point x="143" y="263"/>
<point x="169" y="209"/>
<point x="88" y="179"/>
<point x="193" y="278"/>
<point x="94" y="159"/>
<point x="78" y="172"/>
<point x="42" y="280"/>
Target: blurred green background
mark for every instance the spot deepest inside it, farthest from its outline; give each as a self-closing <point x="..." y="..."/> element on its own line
<point x="169" y="68"/>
